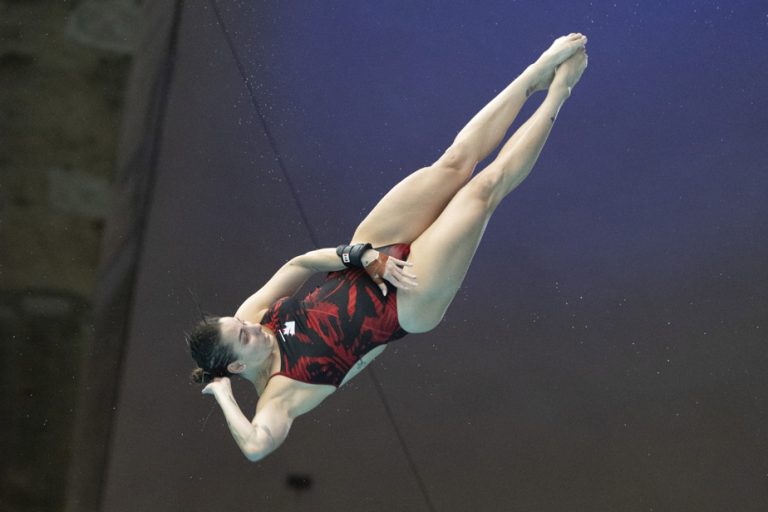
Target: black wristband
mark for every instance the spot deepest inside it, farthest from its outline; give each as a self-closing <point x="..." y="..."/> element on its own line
<point x="351" y="255"/>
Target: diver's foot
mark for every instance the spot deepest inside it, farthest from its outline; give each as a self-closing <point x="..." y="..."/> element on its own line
<point x="544" y="68"/>
<point x="569" y="72"/>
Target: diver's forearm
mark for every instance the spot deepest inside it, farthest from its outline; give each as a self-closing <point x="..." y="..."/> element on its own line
<point x="254" y="441"/>
<point x="320" y="260"/>
<point x="326" y="260"/>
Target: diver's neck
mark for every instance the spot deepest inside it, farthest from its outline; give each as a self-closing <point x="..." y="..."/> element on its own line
<point x="259" y="376"/>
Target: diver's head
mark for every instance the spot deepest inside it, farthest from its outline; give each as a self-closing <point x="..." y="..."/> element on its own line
<point x="226" y="346"/>
<point x="211" y="355"/>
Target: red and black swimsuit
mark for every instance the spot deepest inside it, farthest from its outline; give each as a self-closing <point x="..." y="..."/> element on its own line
<point x="322" y="336"/>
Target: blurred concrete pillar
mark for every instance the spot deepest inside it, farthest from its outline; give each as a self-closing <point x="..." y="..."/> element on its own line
<point x="113" y="301"/>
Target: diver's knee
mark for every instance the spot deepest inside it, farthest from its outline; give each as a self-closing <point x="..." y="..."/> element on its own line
<point x="486" y="186"/>
<point x="459" y="159"/>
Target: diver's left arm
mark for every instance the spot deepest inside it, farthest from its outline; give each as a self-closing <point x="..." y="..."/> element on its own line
<point x="288" y="280"/>
<point x="292" y="276"/>
<point x="257" y="438"/>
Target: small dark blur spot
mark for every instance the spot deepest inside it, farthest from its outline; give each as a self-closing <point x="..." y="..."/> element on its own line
<point x="298" y="482"/>
<point x="97" y="225"/>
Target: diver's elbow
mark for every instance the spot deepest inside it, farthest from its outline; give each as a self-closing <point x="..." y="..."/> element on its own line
<point x="254" y="456"/>
<point x="254" y="452"/>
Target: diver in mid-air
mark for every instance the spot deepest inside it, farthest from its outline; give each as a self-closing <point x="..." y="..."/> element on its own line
<point x="398" y="274"/>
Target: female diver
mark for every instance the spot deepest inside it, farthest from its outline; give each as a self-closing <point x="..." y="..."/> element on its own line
<point x="297" y="352"/>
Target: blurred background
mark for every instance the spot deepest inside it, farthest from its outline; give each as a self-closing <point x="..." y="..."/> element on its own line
<point x="607" y="352"/>
<point x="63" y="73"/>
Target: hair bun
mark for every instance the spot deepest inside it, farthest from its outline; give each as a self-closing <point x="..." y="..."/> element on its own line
<point x="200" y="376"/>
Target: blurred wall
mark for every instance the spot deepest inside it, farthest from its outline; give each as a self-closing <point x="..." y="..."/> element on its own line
<point x="61" y="96"/>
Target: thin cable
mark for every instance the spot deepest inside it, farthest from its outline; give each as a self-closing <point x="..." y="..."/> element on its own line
<point x="265" y="127"/>
<point x="401" y="438"/>
<point x="313" y="238"/>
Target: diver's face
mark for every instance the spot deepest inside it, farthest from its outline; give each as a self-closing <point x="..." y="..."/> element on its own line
<point x="249" y="342"/>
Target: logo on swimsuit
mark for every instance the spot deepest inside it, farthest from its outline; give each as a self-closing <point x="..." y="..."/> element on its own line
<point x="290" y="328"/>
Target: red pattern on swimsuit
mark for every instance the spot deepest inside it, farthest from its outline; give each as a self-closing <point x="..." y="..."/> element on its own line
<point x="322" y="336"/>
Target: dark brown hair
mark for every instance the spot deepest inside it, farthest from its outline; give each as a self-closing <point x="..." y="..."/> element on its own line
<point x="211" y="356"/>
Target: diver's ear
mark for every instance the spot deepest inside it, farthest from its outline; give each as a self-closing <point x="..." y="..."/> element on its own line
<point x="236" y="367"/>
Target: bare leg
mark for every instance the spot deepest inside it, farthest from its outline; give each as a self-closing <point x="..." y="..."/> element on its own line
<point x="486" y="130"/>
<point x="442" y="254"/>
<point x="414" y="203"/>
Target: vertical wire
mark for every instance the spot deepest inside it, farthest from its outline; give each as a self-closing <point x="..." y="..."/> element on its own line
<point x="264" y="125"/>
<point x="401" y="439"/>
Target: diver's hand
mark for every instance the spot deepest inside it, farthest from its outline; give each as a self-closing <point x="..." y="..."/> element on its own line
<point x="382" y="267"/>
<point x="220" y="385"/>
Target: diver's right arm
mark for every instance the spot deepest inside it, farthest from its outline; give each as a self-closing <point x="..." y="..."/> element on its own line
<point x="256" y="438"/>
